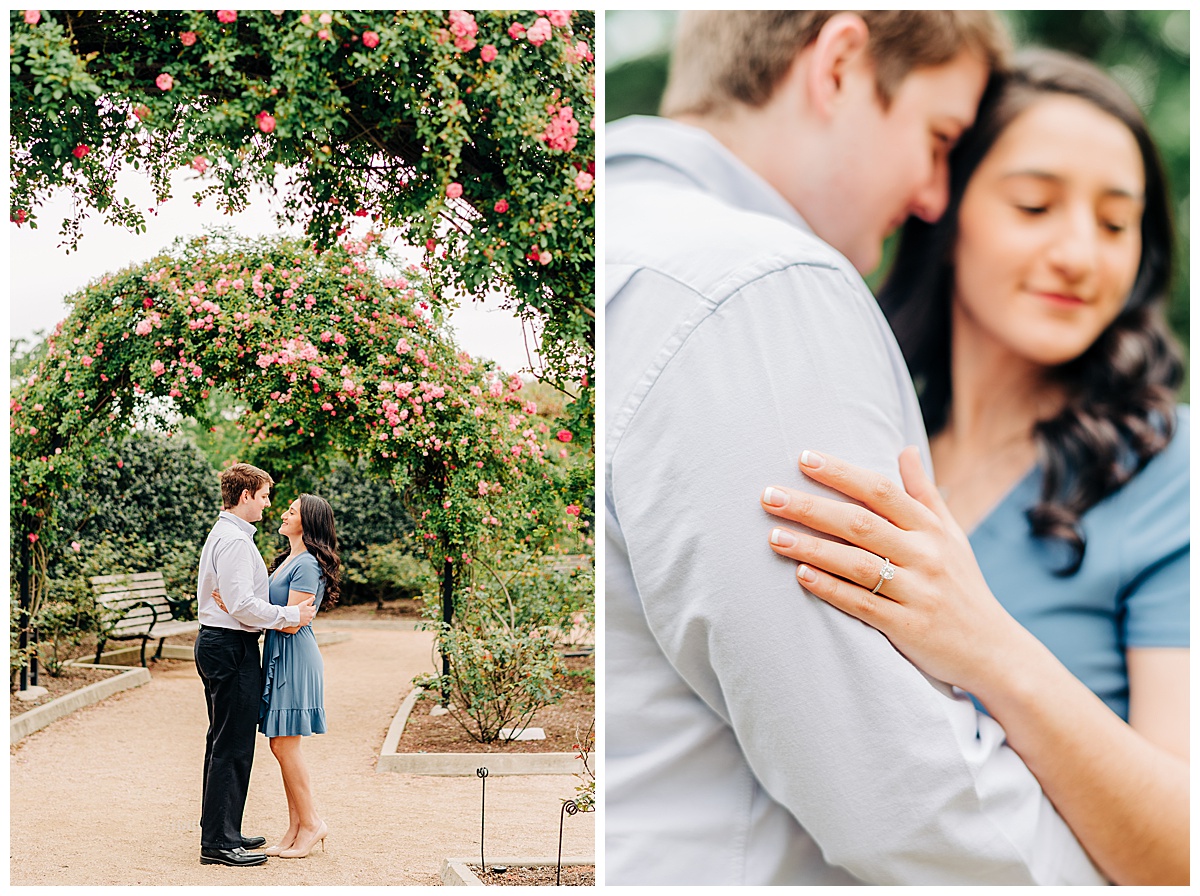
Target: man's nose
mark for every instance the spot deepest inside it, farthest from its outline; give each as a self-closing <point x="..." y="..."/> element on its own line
<point x="930" y="201"/>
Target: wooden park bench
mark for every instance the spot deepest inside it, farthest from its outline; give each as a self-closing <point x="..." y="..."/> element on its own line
<point x="138" y="608"/>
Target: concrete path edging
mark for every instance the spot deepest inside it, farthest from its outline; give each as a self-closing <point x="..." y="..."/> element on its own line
<point x="459" y="764"/>
<point x="456" y="873"/>
<point x="41" y="716"/>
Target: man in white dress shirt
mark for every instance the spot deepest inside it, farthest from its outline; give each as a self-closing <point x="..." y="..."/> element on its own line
<point x="228" y="661"/>
<point x="753" y="734"/>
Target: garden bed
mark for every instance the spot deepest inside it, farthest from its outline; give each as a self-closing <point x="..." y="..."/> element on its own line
<point x="537" y="876"/>
<point x="566" y="723"/>
<point x="72" y="679"/>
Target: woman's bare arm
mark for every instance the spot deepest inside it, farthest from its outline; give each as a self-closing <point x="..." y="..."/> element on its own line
<point x="296" y="597"/>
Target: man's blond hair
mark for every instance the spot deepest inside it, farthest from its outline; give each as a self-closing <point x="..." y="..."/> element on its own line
<point x="736" y="56"/>
<point x="238" y="478"/>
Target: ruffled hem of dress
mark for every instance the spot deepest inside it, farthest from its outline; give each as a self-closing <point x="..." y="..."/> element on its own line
<point x="273" y="650"/>
<point x="292" y="722"/>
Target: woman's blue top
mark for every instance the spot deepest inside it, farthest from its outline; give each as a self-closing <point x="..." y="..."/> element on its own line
<point x="1132" y="589"/>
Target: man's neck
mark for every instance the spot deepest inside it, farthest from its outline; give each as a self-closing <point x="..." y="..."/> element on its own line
<point x="242" y="512"/>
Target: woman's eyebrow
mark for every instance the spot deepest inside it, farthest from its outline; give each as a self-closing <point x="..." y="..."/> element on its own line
<point x="1038" y="174"/>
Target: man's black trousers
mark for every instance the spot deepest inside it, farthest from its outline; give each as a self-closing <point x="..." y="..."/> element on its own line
<point x="230" y="667"/>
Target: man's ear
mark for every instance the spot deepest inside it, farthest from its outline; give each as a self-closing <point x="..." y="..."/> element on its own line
<point x="839" y="50"/>
<point x="245" y="496"/>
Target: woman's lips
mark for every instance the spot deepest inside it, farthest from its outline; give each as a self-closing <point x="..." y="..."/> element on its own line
<point x="1060" y="298"/>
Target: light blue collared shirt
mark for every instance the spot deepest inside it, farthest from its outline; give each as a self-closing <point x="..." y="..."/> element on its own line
<point x="753" y="733"/>
<point x="230" y="562"/>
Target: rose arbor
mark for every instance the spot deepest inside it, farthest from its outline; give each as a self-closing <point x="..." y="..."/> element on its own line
<point x="326" y="356"/>
<point x="472" y="133"/>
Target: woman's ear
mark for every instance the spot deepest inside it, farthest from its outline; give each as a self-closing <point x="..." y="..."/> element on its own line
<point x="839" y="52"/>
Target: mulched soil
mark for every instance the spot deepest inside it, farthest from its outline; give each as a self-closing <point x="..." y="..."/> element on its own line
<point x="566" y="723"/>
<point x="72" y="679"/>
<point x="539" y="876"/>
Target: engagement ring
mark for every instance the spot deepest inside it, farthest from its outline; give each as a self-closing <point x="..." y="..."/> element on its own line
<point x="885" y="575"/>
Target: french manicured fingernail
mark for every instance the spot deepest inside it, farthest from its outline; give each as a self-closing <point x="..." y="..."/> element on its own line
<point x="774" y="497"/>
<point x="806" y="575"/>
<point x="782" y="538"/>
<point x="812" y="460"/>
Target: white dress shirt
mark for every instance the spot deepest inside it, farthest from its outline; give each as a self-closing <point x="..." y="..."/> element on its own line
<point x="230" y="563"/>
<point x="753" y="733"/>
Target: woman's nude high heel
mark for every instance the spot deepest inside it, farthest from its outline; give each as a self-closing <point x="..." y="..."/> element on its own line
<point x="279" y="847"/>
<point x="301" y="849"/>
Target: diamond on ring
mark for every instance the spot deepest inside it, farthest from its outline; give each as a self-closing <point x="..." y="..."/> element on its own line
<point x="885" y="575"/>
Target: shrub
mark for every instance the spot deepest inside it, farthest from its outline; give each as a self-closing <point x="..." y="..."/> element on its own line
<point x="382" y="572"/>
<point x="499" y="677"/>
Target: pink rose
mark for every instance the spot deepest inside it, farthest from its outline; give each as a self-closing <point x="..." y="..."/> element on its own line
<point x="561" y="130"/>
<point x="87" y="361"/>
<point x="324" y="18"/>
<point x="226" y="15"/>
<point x="266" y="122"/>
<point x="322" y="34"/>
<point x="462" y="23"/>
<point x="516" y="30"/>
<point x="501" y="206"/>
<point x="560" y="18"/>
<point x="573" y="509"/>
<point x="80" y="151"/>
<point x="76" y="547"/>
<point x="454" y="190"/>
<point x="370" y="39"/>
<point x="144" y="328"/>
<point x="32" y="17"/>
<point x="164" y="81"/>
<point x="33" y="538"/>
<point x="488" y="53"/>
<point x="158" y="368"/>
<point x="201" y="164"/>
<point x="583" y="181"/>
<point x="540" y="32"/>
<point x="19" y="216"/>
<point x="187" y="38"/>
<point x="583" y="51"/>
<point x="545" y="257"/>
<point x="305" y="19"/>
<point x="142" y="112"/>
<point x="564" y="435"/>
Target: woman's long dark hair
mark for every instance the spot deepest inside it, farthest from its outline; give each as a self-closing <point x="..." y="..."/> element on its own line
<point x="319" y="536"/>
<point x="1121" y="406"/>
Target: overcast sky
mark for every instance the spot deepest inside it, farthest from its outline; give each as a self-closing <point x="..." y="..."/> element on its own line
<point x="42" y="272"/>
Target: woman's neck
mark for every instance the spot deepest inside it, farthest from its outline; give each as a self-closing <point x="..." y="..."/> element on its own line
<point x="297" y="545"/>
<point x="986" y="445"/>
<point x="997" y="395"/>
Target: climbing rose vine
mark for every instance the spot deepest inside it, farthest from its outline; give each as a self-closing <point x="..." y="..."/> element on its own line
<point x="467" y="131"/>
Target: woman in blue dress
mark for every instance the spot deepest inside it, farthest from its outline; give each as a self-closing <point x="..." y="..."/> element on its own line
<point x="1031" y="319"/>
<point x="293" y="703"/>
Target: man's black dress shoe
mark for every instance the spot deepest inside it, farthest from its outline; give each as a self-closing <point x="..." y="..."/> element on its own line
<point x="253" y="842"/>
<point x="236" y="857"/>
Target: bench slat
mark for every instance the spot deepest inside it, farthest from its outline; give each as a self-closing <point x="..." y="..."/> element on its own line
<point x="127" y="577"/>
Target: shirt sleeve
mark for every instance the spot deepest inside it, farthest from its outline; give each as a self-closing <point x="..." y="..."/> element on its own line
<point x="1156" y="544"/>
<point x="234" y="560"/>
<point x="306" y="576"/>
<point x="897" y="778"/>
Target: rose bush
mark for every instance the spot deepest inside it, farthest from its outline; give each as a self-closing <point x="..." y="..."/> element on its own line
<point x="346" y="113"/>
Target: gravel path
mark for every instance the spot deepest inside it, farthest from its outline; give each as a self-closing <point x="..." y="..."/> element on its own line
<point x="111" y="794"/>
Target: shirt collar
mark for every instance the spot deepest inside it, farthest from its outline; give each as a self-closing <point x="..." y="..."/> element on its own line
<point x="246" y="527"/>
<point x="699" y="157"/>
